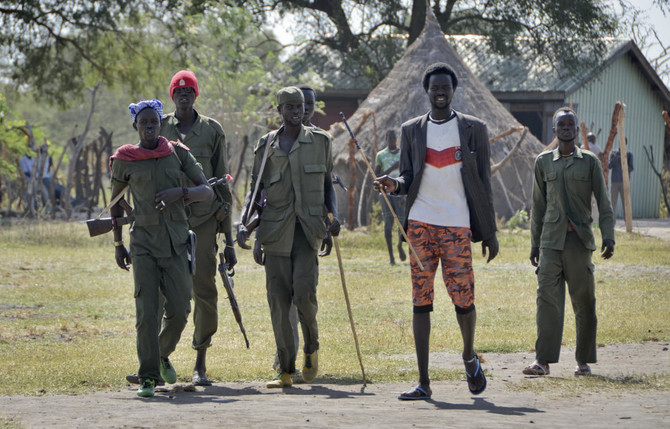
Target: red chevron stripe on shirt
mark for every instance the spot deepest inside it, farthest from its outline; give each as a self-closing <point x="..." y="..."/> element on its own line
<point x="443" y="158"/>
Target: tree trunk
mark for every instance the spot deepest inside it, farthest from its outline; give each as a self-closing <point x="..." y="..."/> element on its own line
<point x="76" y="152"/>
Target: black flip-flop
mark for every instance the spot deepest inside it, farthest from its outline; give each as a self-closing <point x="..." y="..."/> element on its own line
<point x="416" y="394"/>
<point x="475" y="379"/>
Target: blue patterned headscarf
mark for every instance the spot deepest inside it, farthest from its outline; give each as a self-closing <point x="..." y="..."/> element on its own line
<point x="137" y="108"/>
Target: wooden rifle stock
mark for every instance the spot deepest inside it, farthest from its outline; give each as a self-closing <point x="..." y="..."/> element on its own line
<point x="106" y="224"/>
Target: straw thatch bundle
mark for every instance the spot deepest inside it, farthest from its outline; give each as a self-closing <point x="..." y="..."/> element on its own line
<point x="400" y="97"/>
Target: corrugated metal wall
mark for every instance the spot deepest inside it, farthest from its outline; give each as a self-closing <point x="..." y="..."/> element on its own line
<point x="644" y="126"/>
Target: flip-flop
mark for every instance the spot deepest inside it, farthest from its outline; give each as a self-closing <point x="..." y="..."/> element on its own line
<point x="476" y="379"/>
<point x="536" y="369"/>
<point x="201" y="381"/>
<point x="416" y="394"/>
<point x="582" y="370"/>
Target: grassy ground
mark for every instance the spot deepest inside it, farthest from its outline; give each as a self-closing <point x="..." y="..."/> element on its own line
<point x="67" y="311"/>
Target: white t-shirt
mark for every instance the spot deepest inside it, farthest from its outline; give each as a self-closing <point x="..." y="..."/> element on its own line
<point x="595" y="149"/>
<point x="441" y="200"/>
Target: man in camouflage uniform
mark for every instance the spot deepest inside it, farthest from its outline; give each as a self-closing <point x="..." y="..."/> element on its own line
<point x="562" y="243"/>
<point x="158" y="238"/>
<point x="205" y="138"/>
<point x="297" y="182"/>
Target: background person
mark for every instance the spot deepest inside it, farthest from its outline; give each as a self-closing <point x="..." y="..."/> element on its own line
<point x="616" y="176"/>
<point x="562" y="244"/>
<point x="387" y="163"/>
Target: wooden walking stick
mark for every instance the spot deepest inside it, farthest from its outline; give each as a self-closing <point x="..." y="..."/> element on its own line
<point x="346" y="299"/>
<point x="386" y="198"/>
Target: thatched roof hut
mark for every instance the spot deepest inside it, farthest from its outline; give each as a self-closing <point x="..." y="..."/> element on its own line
<point x="400" y="97"/>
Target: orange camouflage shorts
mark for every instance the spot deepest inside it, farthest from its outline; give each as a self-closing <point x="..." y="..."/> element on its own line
<point x="449" y="245"/>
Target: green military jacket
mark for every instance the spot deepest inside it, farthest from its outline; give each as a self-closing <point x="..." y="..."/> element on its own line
<point x="207" y="142"/>
<point x="156" y="232"/>
<point x="562" y="192"/>
<point x="294" y="186"/>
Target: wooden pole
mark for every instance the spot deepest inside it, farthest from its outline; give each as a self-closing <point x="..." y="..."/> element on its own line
<point x="585" y="140"/>
<point x="627" y="209"/>
<point x="346" y="299"/>
<point x="610" y="141"/>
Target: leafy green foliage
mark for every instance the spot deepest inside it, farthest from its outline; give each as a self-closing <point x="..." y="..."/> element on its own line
<point x="13" y="141"/>
<point x="62" y="47"/>
<point x="569" y="34"/>
<point x="518" y="221"/>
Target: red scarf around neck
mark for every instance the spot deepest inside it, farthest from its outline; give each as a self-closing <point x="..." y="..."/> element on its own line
<point x="131" y="152"/>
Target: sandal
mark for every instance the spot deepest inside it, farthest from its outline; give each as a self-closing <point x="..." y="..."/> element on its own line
<point x="582" y="369"/>
<point x="476" y="379"/>
<point x="418" y="393"/>
<point x="196" y="380"/>
<point x="536" y="369"/>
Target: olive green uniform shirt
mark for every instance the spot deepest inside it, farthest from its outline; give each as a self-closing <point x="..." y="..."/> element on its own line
<point x="294" y="187"/>
<point x="207" y="143"/>
<point x="562" y="193"/>
<point x="156" y="232"/>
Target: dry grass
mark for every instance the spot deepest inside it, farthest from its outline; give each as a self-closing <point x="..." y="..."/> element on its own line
<point x="67" y="312"/>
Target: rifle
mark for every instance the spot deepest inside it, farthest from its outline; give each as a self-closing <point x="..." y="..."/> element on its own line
<point x="99" y="226"/>
<point x="103" y="225"/>
<point x="253" y="204"/>
<point x="228" y="284"/>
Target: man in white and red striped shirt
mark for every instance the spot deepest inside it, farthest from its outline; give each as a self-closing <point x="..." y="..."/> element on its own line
<point x="445" y="171"/>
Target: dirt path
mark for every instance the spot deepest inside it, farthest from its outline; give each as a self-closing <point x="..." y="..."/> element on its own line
<point x="654" y="227"/>
<point x="507" y="403"/>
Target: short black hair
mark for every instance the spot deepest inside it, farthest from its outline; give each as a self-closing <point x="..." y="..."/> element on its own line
<point x="439" y="68"/>
<point x="304" y="88"/>
<point x="565" y="109"/>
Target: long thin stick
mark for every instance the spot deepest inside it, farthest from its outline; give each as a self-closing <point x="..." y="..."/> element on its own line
<point x="346" y="299"/>
<point x="386" y="198"/>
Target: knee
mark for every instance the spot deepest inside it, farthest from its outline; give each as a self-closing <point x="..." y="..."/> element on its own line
<point x="464" y="310"/>
<point x="305" y="303"/>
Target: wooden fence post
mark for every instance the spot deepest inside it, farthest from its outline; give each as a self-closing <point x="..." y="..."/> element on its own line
<point x="627" y="209"/>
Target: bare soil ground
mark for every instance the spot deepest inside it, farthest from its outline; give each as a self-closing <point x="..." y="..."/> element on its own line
<point x="654" y="227"/>
<point x="511" y="400"/>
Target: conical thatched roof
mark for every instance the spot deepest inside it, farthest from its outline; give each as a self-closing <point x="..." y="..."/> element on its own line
<point x="400" y="97"/>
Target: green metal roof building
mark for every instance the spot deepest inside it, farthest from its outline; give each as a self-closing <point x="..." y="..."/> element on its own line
<point x="533" y="90"/>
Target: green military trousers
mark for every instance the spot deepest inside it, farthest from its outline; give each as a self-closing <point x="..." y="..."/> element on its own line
<point x="293" y="279"/>
<point x="572" y="265"/>
<point x="205" y="294"/>
<point x="171" y="278"/>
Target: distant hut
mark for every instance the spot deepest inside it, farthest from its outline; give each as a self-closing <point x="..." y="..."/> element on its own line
<point x="400" y="97"/>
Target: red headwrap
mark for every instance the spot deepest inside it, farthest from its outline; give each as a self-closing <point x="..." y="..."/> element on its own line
<point x="184" y="79"/>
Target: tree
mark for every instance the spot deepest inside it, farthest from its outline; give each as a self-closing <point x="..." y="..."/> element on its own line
<point x="567" y="33"/>
<point x="656" y="50"/>
<point x="62" y="47"/>
<point x="13" y="142"/>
